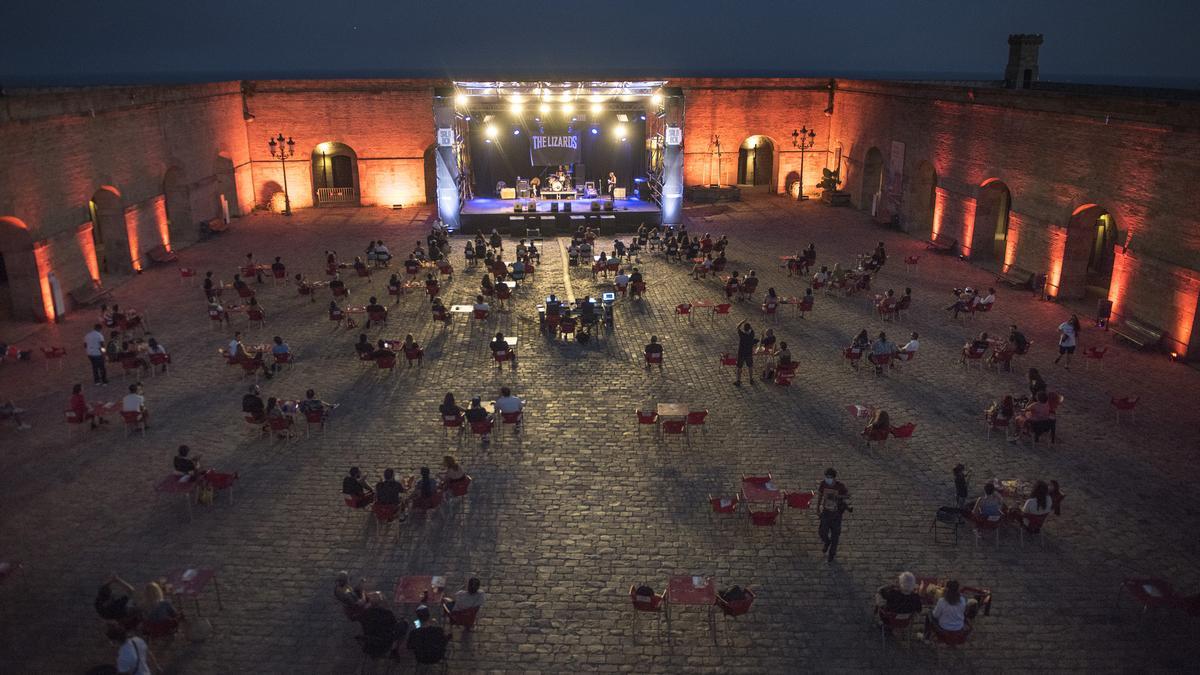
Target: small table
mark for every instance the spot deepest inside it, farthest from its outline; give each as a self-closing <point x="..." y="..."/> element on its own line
<point x="672" y="410"/>
<point x="462" y="309"/>
<point x="420" y="590"/>
<point x="761" y="491"/>
<point x="188" y="583"/>
<point x="691" y="590"/>
<point x="857" y="410"/>
<point x="354" y="310"/>
<point x="174" y="484"/>
<point x="104" y="408"/>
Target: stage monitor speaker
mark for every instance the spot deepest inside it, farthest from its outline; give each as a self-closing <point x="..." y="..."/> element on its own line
<point x="595" y="205"/>
<point x="517" y="208"/>
<point x="554" y="207"/>
<point x="567" y="207"/>
<point x="608" y="205"/>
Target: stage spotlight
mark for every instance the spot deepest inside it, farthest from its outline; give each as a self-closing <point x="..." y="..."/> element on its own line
<point x="516" y="132"/>
<point x="656" y="99"/>
<point x="566" y="98"/>
<point x="460" y="100"/>
<point x="516" y="108"/>
<point x="620" y="131"/>
<point x="467" y="118"/>
<point x="595" y="131"/>
<point x="643" y="118"/>
<point x="491" y="131"/>
<point x="597" y="108"/>
<point x="516" y="98"/>
<point x="544" y="108"/>
<point x="568" y="108"/>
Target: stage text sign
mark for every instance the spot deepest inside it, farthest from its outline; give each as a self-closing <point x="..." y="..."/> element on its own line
<point x="554" y="150"/>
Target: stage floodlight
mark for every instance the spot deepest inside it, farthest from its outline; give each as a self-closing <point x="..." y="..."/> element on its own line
<point x="516" y="108"/>
<point x="516" y="132"/>
<point x="597" y="108"/>
<point x="568" y="108"/>
<point x="620" y="131"/>
<point x="460" y="100"/>
<point x="491" y="131"/>
<point x="595" y="131"/>
<point x="544" y="108"/>
<point x="656" y="99"/>
<point x="566" y="98"/>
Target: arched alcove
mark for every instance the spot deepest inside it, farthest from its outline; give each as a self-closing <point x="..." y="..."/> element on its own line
<point x="109" y="234"/>
<point x="179" y="206"/>
<point x="1088" y="254"/>
<point x="335" y="175"/>
<point x="872" y="179"/>
<point x="756" y="162"/>
<point x="21" y="296"/>
<point x="223" y="169"/>
<point x="989" y="238"/>
<point x="922" y="198"/>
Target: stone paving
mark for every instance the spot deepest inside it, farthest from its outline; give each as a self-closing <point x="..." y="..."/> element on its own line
<point x="560" y="522"/>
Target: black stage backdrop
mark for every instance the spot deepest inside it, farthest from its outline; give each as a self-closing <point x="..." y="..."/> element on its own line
<point x="508" y="156"/>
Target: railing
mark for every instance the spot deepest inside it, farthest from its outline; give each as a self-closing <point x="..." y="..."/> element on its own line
<point x="336" y="196"/>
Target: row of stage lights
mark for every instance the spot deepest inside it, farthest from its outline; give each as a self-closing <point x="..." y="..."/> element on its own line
<point x="620" y="131"/>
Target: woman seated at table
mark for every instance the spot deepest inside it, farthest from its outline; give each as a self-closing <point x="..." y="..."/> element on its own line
<point x="821" y="277"/>
<point x="731" y="285"/>
<point x="949" y="615"/>
<point x="1039" y="503"/>
<point x="900" y="597"/>
<point x="452" y="472"/>
<point x="337" y="286"/>
<point x="771" y="302"/>
<point x="862" y="342"/>
<point x="767" y="344"/>
<point x="880" y="424"/>
<point x="979" y="345"/>
<point x="477" y="413"/>
<point x="985" y="303"/>
<point x="154" y="347"/>
<point x="128" y="354"/>
<point x="78" y="405"/>
<point x="702" y="267"/>
<point x="886" y="304"/>
<point x="449" y="409"/>
<point x="158" y="610"/>
<point x="485" y="284"/>
<point x="438" y="310"/>
<point x="412" y="350"/>
<point x="363" y="347"/>
<point x="186" y="465"/>
<point x="424" y="490"/>
<point x="383" y="351"/>
<point x="215" y="309"/>
<point x="1037" y="418"/>
<point x="274" y="412"/>
<point x="963" y="300"/>
<point x="356" y="487"/>
<point x="1036" y="383"/>
<point x="784" y="356"/>
<point x="990" y="506"/>
<point x="1004" y="413"/>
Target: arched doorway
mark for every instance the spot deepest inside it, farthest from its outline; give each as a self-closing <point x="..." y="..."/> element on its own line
<point x="109" y="235"/>
<point x="872" y="181"/>
<point x="1088" y="255"/>
<point x="430" y="166"/>
<point x="21" y="297"/>
<point x="922" y="197"/>
<point x="335" y="175"/>
<point x="989" y="238"/>
<point x="756" y="163"/>
<point x="179" y="205"/>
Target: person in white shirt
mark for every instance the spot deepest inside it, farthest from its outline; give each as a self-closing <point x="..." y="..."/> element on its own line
<point x="507" y="403"/>
<point x="1068" y="335"/>
<point x="988" y="299"/>
<point x="480" y="305"/>
<point x="1039" y="503"/>
<point x="471" y="598"/>
<point x="622" y="279"/>
<point x="93" y="344"/>
<point x="133" y="656"/>
<point x="135" y="402"/>
<point x="950" y="612"/>
<point x="911" y="346"/>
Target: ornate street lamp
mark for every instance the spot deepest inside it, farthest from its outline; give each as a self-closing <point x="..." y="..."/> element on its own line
<point x="283" y="150"/>
<point x="803" y="140"/>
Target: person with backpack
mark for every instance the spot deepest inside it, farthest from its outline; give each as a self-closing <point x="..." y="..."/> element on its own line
<point x="832" y="502"/>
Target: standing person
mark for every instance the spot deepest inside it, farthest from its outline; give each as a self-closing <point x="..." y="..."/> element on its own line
<point x="93" y="343"/>
<point x="961" y="486"/>
<point x="831" y="504"/>
<point x="1068" y="333"/>
<point x="133" y="656"/>
<point x="745" y="356"/>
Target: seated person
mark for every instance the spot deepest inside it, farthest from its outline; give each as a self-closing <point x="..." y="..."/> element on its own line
<point x="428" y="642"/>
<point x="480" y="305"/>
<point x="731" y="285"/>
<point x="128" y="354"/>
<point x="654" y="348"/>
<point x="587" y="312"/>
<point x="767" y="344"/>
<point x="507" y="403"/>
<point x="253" y="405"/>
<point x="1037" y="417"/>
<point x="363" y="346"/>
<point x="950" y="613"/>
<point x="567" y="324"/>
<point x="732" y="594"/>
<point x="359" y="266"/>
<point x="78" y="405"/>
<point x="533" y="251"/>
<point x="636" y="276"/>
<point x="438" y="310"/>
<point x="986" y="301"/>
<point x="388" y="490"/>
<point x="1004" y="413"/>
<point x="499" y="346"/>
<point x="280" y="348"/>
<point x="449" y="408"/>
<point x="476" y="413"/>
<point x="518" y="270"/>
<point x="159" y="610"/>
<point x="900" y="597"/>
<point x="978" y="345"/>
<point x="990" y="506"/>
<point x="784" y="357"/>
<point x="276" y="413"/>
<point x="153" y="346"/>
<point x="238" y="284"/>
<point x="215" y="309"/>
<point x="134" y="402"/>
<point x="912" y="345"/>
<point x="963" y="300"/>
<point x="382" y="351"/>
<point x="412" y="266"/>
<point x="880" y="424"/>
<point x="522" y="250"/>
<point x="373" y="309"/>
<point x="382" y="631"/>
<point x="463" y="600"/>
<point x="412" y="350"/>
<point x="117" y="605"/>
<point x="904" y="301"/>
<point x="1039" y="503"/>
<point x="451" y="471"/>
<point x="185" y="465"/>
<point x="882" y="349"/>
<point x="354" y="486"/>
<point x="821" y="277"/>
<point x="861" y="342"/>
<point x="312" y="404"/>
<point x="351" y="597"/>
<point x="553" y="305"/>
<point x="424" y="489"/>
<point x="336" y="285"/>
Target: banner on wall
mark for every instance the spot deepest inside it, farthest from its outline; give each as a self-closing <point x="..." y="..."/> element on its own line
<point x="554" y="150"/>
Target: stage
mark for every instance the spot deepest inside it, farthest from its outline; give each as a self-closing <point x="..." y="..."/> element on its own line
<point x="486" y="213"/>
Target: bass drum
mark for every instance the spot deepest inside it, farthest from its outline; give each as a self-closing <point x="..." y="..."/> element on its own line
<point x="556" y="184"/>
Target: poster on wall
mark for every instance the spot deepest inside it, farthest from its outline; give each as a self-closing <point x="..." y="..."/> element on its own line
<point x="547" y="150"/>
<point x="894" y="188"/>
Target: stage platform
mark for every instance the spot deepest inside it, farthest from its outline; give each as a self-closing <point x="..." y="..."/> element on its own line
<point x="485" y="213"/>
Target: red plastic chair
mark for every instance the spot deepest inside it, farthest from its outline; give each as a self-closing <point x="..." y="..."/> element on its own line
<point x="159" y="360"/>
<point x="336" y="316"/>
<point x="1094" y="354"/>
<point x="386" y="363"/>
<point x="764" y="518"/>
<point x="655" y="359"/>
<point x="904" y="431"/>
<point x="1150" y="593"/>
<point x="724" y="505"/>
<point x="256" y="314"/>
<point x="432" y="288"/>
<point x="480" y="314"/>
<point x="186" y="273"/>
<point x="133" y="421"/>
<point x="459" y="488"/>
<point x="414" y="354"/>
<point x="852" y="356"/>
<point x="911" y="262"/>
<point x="652" y="603"/>
<point x="736" y="608"/>
<point x="279" y="274"/>
<point x="158" y="630"/>
<point x="340" y="291"/>
<point x="566" y="329"/>
<point x="1034" y="525"/>
<point x="683" y="309"/>
<point x="429" y="503"/>
<point x="984" y="526"/>
<point x="646" y="419"/>
<point x="378" y="317"/>
<point x="996" y="422"/>
<point x="385" y="513"/>
<point x="799" y="500"/>
<point x="1123" y="405"/>
<point x="502" y="357"/>
<point x="464" y="618"/>
<point x="446" y="269"/>
<point x="879" y="436"/>
<point x="675" y="428"/>
<point x="481" y="428"/>
<point x="511" y="418"/>
<point x="452" y="422"/>
<point x="53" y="354"/>
<point x="281" y="425"/>
<point x="637" y="289"/>
<point x="892" y="623"/>
<point x="696" y="418"/>
<point x="312" y="417"/>
<point x="721" y="310"/>
<point x="727" y="360"/>
<point x="950" y="638"/>
<point x="785" y="374"/>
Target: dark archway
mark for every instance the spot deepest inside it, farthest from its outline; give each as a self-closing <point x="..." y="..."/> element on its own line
<point x="335" y="175"/>
<point x="227" y="192"/>
<point x="109" y="233"/>
<point x="922" y="198"/>
<point x="989" y="238"/>
<point x="178" y="195"/>
<point x="756" y="162"/>
<point x="21" y="293"/>
<point x="430" y="165"/>
<point x="872" y="179"/>
<point x="1088" y="255"/>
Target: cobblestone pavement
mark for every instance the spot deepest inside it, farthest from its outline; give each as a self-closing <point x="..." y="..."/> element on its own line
<point x="562" y="520"/>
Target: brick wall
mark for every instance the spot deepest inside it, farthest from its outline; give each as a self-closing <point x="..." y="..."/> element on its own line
<point x="387" y="123"/>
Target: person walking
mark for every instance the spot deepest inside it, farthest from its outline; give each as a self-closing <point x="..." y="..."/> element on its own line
<point x="93" y="343"/>
<point x="745" y="356"/>
<point x="832" y="502"/>
<point x="1068" y="334"/>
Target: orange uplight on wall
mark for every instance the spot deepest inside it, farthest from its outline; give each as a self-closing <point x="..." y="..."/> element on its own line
<point x="1058" y="249"/>
<point x="87" y="247"/>
<point x="131" y="231"/>
<point x="939" y="209"/>
<point x="41" y="254"/>
<point x="1122" y="268"/>
<point x="164" y="225"/>
<point x="969" y="206"/>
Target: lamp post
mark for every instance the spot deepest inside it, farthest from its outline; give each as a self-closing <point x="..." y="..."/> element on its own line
<point x="283" y="150"/>
<point x="803" y="140"/>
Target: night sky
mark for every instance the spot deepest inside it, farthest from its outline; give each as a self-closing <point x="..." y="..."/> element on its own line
<point x="1150" y="42"/>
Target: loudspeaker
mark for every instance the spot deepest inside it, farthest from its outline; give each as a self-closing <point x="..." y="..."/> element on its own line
<point x="595" y="205"/>
<point x="567" y="207"/>
<point x="554" y="207"/>
<point x="517" y="207"/>
<point x="608" y="205"/>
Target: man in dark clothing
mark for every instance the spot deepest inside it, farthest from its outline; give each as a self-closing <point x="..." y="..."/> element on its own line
<point x="382" y="631"/>
<point x="428" y="642"/>
<point x="253" y="406"/>
<point x="354" y="486"/>
<point x="1018" y="339"/>
<point x="832" y="496"/>
<point x="745" y="355"/>
<point x="185" y="465"/>
<point x="388" y="490"/>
